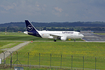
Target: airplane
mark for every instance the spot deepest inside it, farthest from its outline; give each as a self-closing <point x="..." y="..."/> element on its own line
<point x="62" y="35"/>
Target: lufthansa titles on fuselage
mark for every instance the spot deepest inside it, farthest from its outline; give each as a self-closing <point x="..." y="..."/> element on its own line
<point x="67" y="32"/>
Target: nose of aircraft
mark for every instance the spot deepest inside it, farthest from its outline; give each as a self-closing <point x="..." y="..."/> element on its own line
<point x="82" y="35"/>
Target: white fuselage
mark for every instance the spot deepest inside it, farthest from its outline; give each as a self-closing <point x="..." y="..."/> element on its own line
<point x="66" y="34"/>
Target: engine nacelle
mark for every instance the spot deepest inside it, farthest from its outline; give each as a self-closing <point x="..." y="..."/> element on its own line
<point x="26" y="32"/>
<point x="63" y="38"/>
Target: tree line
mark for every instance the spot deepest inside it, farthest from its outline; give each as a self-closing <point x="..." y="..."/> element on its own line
<point x="52" y="26"/>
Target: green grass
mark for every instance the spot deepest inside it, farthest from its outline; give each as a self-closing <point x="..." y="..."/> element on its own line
<point x="34" y="68"/>
<point x="6" y="45"/>
<point x="15" y="36"/>
<point x="66" y="49"/>
<point x="72" y="48"/>
<point x="100" y="33"/>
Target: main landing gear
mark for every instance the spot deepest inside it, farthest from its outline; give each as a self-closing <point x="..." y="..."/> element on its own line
<point x="55" y="40"/>
<point x="74" y="40"/>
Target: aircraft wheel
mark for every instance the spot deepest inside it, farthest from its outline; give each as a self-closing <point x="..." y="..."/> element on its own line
<point x="54" y="40"/>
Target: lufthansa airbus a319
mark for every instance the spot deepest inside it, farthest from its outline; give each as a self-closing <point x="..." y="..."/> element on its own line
<point x="62" y="35"/>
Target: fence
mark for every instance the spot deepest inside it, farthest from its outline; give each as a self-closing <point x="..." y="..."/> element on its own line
<point x="47" y="60"/>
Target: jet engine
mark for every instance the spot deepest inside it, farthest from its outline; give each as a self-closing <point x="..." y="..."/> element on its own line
<point x="63" y="38"/>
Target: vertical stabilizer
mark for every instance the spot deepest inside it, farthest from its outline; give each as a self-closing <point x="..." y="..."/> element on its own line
<point x="31" y="29"/>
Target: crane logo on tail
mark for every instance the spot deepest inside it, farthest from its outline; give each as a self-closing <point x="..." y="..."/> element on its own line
<point x="29" y="28"/>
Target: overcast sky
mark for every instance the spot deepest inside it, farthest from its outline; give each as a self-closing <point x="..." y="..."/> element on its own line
<point x="52" y="10"/>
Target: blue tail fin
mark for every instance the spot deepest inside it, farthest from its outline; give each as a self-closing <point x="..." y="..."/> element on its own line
<point x="31" y="29"/>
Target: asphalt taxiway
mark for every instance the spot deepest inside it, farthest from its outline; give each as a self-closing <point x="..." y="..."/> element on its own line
<point x="91" y="37"/>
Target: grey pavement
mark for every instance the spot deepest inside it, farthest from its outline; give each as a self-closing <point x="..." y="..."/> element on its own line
<point x="7" y="52"/>
<point x="91" y="37"/>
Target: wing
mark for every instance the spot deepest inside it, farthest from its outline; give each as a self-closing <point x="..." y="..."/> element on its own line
<point x="62" y="37"/>
<point x="56" y="35"/>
